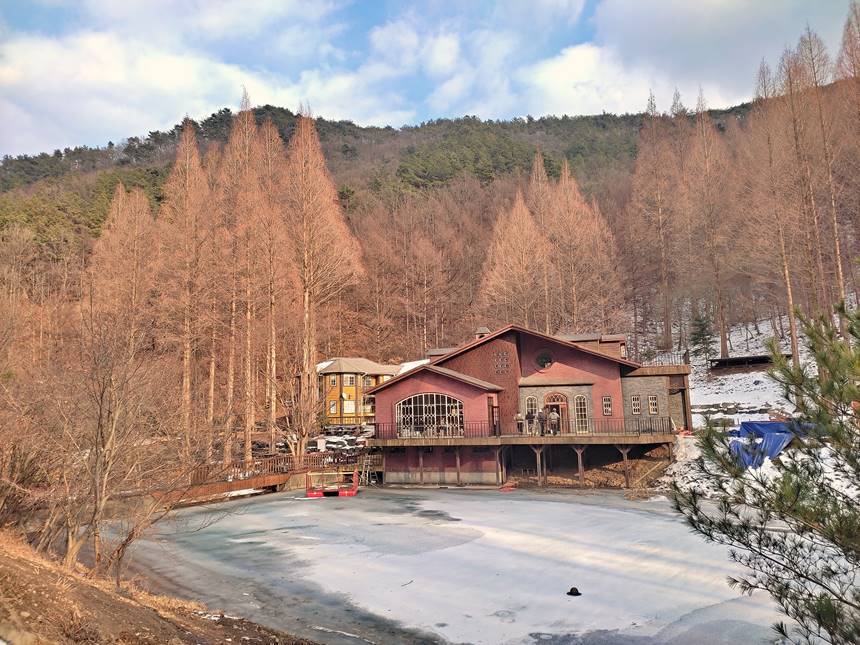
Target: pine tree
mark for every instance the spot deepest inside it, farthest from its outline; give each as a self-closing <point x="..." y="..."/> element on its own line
<point x="796" y="534"/>
<point x="702" y="336"/>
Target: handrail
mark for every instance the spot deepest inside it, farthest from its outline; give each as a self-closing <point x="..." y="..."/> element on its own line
<point x="275" y="465"/>
<point x="627" y="426"/>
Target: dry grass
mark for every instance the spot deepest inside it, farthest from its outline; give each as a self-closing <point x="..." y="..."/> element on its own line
<point x="40" y="602"/>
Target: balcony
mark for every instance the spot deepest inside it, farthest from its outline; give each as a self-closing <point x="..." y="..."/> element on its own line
<point x="631" y="426"/>
<point x="352" y="420"/>
<point x="628" y="426"/>
<point x="435" y="431"/>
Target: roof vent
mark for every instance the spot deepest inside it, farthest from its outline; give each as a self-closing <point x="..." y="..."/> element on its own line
<point x="480" y="332"/>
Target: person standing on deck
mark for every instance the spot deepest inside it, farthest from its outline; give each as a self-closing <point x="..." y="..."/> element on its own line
<point x="553" y="422"/>
<point x="541" y="419"/>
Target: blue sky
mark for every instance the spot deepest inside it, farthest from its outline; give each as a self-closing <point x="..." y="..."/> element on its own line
<point x="89" y="71"/>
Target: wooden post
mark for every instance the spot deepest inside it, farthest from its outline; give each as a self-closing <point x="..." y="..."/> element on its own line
<point x="670" y="447"/>
<point x="624" y="450"/>
<point x="579" y="451"/>
<point x="498" y="467"/>
<point x="504" y="464"/>
<point x="421" y="465"/>
<point x="384" y="478"/>
<point x="539" y="470"/>
<point x="457" y="454"/>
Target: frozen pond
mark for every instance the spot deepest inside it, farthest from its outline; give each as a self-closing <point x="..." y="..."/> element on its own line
<point x="399" y="566"/>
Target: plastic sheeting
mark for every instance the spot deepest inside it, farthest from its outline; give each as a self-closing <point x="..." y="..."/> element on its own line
<point x="759" y="439"/>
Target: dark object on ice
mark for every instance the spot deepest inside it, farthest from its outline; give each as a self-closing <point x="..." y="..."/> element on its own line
<point x="573" y="592"/>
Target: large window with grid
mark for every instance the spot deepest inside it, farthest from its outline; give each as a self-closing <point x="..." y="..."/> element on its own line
<point x="580" y="410"/>
<point x="607" y="406"/>
<point x="636" y="404"/>
<point x="429" y="414"/>
<point x="653" y="408"/>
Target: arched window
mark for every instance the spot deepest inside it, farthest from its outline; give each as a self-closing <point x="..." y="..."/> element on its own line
<point x="580" y="409"/>
<point x="531" y="405"/>
<point x="429" y="415"/>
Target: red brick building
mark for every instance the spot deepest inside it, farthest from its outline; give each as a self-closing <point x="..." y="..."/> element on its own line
<point x="519" y="399"/>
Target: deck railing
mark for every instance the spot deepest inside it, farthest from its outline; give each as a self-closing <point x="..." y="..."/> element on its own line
<point x="434" y="431"/>
<point x="352" y="420"/>
<point x="667" y="358"/>
<point x="629" y="426"/>
<point x="275" y="465"/>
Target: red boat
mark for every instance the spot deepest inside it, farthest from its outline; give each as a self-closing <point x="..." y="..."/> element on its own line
<point x="331" y="484"/>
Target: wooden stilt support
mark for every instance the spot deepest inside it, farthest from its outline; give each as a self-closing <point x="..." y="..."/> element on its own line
<point x="498" y="467"/>
<point x="457" y="455"/>
<point x="384" y="478"/>
<point x="671" y="448"/>
<point x="579" y="450"/>
<point x="421" y="465"/>
<point x="504" y="464"/>
<point x="624" y="450"/>
<point x="539" y="467"/>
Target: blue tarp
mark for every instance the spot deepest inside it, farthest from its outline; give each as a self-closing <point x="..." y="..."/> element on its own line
<point x="759" y="439"/>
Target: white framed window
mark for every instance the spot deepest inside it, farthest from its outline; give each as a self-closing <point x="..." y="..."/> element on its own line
<point x="349" y="380"/>
<point x="580" y="410"/>
<point x="653" y="408"/>
<point x="368" y="381"/>
<point x="531" y="405"/>
<point x="349" y="407"/>
<point x="332" y="380"/>
<point x="636" y="404"/>
<point x="623" y="350"/>
<point x="607" y="406"/>
<point x="332" y="407"/>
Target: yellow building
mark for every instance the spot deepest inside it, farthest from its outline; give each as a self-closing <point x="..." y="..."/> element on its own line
<point x="342" y="384"/>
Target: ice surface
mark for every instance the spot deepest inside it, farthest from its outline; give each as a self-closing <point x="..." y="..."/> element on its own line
<point x="461" y="566"/>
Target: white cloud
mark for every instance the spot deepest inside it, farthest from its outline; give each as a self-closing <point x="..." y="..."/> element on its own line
<point x="93" y="86"/>
<point x="588" y="79"/>
<point x="442" y="54"/>
<point x="397" y="43"/>
<point x="717" y="42"/>
<point x="139" y="65"/>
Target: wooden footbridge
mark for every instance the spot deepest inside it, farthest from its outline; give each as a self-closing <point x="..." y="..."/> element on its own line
<point x="272" y="473"/>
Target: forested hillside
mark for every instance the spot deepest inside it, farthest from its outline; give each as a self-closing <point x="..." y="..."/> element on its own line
<point x="695" y="230"/>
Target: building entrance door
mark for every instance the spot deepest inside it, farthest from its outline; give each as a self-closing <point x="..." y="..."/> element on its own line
<point x="555" y="406"/>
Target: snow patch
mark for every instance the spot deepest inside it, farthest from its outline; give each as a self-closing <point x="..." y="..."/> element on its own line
<point x="411" y="365"/>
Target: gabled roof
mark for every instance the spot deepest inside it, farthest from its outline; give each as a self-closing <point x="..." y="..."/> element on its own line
<point x="442" y="371"/>
<point x="355" y="365"/>
<point x="536" y="334"/>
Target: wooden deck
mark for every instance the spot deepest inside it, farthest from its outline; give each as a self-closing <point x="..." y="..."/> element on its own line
<point x="527" y="440"/>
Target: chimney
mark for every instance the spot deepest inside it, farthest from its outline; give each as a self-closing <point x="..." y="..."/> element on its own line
<point x="480" y="332"/>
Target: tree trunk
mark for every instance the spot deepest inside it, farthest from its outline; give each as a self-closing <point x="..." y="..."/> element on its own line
<point x="231" y="378"/>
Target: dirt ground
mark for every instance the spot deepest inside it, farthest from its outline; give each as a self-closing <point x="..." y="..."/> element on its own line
<point x="40" y="603"/>
<point x="646" y="467"/>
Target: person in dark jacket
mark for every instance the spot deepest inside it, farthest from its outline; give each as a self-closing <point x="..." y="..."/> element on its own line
<point x="541" y="419"/>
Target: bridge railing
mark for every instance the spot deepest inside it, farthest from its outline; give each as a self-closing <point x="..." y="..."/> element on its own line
<point x="274" y="465"/>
